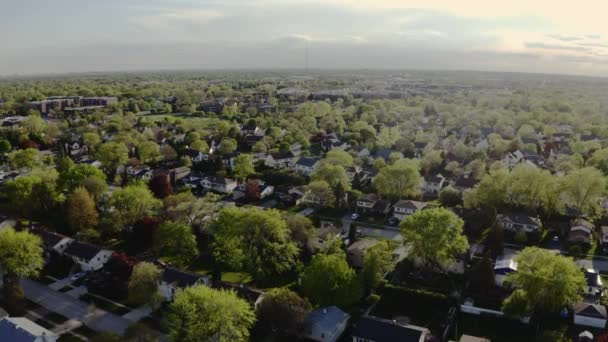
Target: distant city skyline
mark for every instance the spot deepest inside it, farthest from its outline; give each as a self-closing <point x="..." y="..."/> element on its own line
<point x="60" y="36"/>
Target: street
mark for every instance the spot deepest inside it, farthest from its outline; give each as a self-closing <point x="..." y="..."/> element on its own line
<point x="72" y="308"/>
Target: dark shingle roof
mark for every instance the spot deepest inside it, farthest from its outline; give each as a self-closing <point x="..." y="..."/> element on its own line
<point x="49" y="238"/>
<point x="82" y="250"/>
<point x="180" y="278"/>
<point x="591" y="310"/>
<point x="379" y="330"/>
<point x="307" y="161"/>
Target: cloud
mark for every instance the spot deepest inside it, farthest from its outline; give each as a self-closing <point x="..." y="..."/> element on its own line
<point x="545" y="46"/>
<point x="565" y="38"/>
<point x="172" y="20"/>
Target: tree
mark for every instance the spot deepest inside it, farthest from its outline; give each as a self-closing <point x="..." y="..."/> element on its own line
<point x="25" y="159"/>
<point x="321" y="194"/>
<point x="227" y="146"/>
<point x="33" y="124"/>
<point x="243" y="167"/>
<point x="252" y="190"/>
<point x="92" y="140"/>
<point x="197" y="212"/>
<point x="255" y="240"/>
<point x="160" y="186"/>
<point x="377" y="261"/>
<point x="112" y="155"/>
<point x="148" y="151"/>
<point x="435" y="236"/>
<point x="583" y="188"/>
<point x="338" y="157"/>
<point x="328" y="280"/>
<point x="20" y="256"/>
<point x="73" y="176"/>
<point x="399" y="179"/>
<point x="490" y="192"/>
<point x="388" y="136"/>
<point x="94" y="185"/>
<point x="200" y="313"/>
<point x="482" y="275"/>
<point x="168" y="152"/>
<point x="132" y="203"/>
<point x="5" y="147"/>
<point x="450" y="197"/>
<point x="545" y="281"/>
<point x="282" y="311"/>
<point x="139" y="332"/>
<point x="301" y="228"/>
<point x="82" y="213"/>
<point x="176" y="242"/>
<point x="143" y="284"/>
<point x="332" y="174"/>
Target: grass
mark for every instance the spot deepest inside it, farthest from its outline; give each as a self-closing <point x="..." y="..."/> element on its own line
<point x="203" y="266"/>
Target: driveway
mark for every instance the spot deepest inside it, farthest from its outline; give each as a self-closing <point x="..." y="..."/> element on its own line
<point x="72" y="308"/>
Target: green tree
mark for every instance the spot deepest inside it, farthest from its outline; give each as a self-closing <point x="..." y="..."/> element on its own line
<point x="490" y="192"/>
<point x="435" y="237"/>
<point x="583" y="188"/>
<point x="282" y="311"/>
<point x="399" y="179"/>
<point x="338" y="157"/>
<point x="199" y="313"/>
<point x="175" y="242"/>
<point x="545" y="282"/>
<point x="450" y="197"/>
<point x="228" y="146"/>
<point x="332" y="174"/>
<point x="143" y="284"/>
<point x="148" y="151"/>
<point x="258" y="240"/>
<point x="321" y="194"/>
<point x="328" y="280"/>
<point x="82" y="213"/>
<point x="388" y="136"/>
<point x="25" y="159"/>
<point x="72" y="177"/>
<point x="112" y="155"/>
<point x="132" y="203"/>
<point x="92" y="140"/>
<point x="243" y="167"/>
<point x="5" y="147"/>
<point x="20" y="256"/>
<point x="376" y="262"/>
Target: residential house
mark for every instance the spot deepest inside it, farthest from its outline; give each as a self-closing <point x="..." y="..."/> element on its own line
<point x="605" y="238"/>
<point x="594" y="285"/>
<point x="173" y="279"/>
<point x="375" y="329"/>
<point x="432" y="185"/>
<point x="75" y="148"/>
<point x="405" y="208"/>
<point x="502" y="268"/>
<point x="469" y="338"/>
<point x="89" y="257"/>
<point x="265" y="190"/>
<point x="21" y="329"/>
<point x="253" y="130"/>
<point x="305" y="166"/>
<point x="325" y="324"/>
<point x="361" y="152"/>
<point x="197" y="156"/>
<point x="353" y="171"/>
<point x="143" y="172"/>
<point x="331" y="142"/>
<point x="218" y="184"/>
<point x="53" y="242"/>
<point x="465" y="182"/>
<point x="590" y="315"/>
<point x="518" y="222"/>
<point x="581" y="232"/>
<point x="356" y="252"/>
<point x="367" y="202"/>
<point x="281" y="160"/>
<point x="513" y="158"/>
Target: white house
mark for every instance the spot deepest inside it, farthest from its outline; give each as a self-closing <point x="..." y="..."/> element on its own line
<point x="52" y="241"/>
<point x="219" y="184"/>
<point x="405" y="208"/>
<point x="367" y="202"/>
<point x="325" y="324"/>
<point x="265" y="190"/>
<point x="432" y="185"/>
<point x="21" y="329"/>
<point x="143" y="172"/>
<point x="513" y="158"/>
<point x="305" y="166"/>
<point x="281" y="160"/>
<point x="502" y="268"/>
<point x="89" y="257"/>
<point x="518" y="222"/>
<point x="173" y="279"/>
<point x="590" y="315"/>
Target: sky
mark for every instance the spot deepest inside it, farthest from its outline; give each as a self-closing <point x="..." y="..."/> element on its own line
<point x="544" y="36"/>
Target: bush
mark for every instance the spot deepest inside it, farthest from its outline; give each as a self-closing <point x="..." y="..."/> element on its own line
<point x="575" y="251"/>
<point x="372" y="298"/>
<point x="521" y="237"/>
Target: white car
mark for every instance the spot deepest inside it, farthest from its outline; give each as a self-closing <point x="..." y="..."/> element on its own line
<point x="354" y="216"/>
<point x="77" y="276"/>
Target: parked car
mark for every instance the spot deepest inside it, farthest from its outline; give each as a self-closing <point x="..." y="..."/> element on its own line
<point x="78" y="276"/>
<point x="354" y="216"/>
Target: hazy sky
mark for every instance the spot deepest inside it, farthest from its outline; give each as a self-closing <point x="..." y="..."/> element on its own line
<point x="55" y="36"/>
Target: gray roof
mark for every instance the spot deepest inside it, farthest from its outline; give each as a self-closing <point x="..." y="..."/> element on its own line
<point x="380" y="330"/>
<point x="324" y="320"/>
<point x="19" y="329"/>
<point x="307" y="161"/>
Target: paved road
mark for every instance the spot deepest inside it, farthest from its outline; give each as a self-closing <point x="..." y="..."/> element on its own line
<point x="598" y="265"/>
<point x="72" y="308"/>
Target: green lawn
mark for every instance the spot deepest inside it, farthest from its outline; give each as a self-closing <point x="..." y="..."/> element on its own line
<point x="203" y="266"/>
